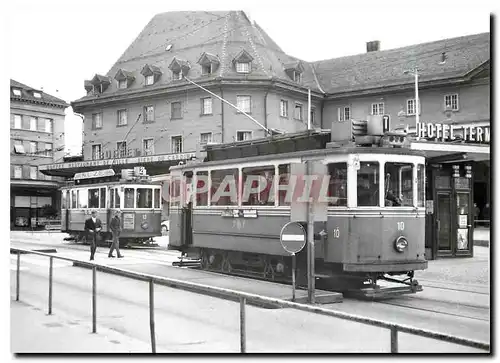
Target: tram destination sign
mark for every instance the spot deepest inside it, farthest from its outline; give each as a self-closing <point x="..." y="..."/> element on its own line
<point x="95" y="174"/>
<point x="122" y="161"/>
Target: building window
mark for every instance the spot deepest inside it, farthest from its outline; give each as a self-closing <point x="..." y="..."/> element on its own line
<point x="176" y="144"/>
<point x="378" y="108"/>
<point x="344" y="113"/>
<point x="206" y="69"/>
<point x="122" y="117"/>
<point x="17" y="121"/>
<point x="243" y="67"/>
<point x="149" y="114"/>
<point x="205" y="138"/>
<point x="18" y="171"/>
<point x="33" y="147"/>
<point x="451" y="102"/>
<point x="411" y="107"/>
<point x="176" y="110"/>
<point x="176" y="75"/>
<point x="48" y="125"/>
<point x="243" y="135"/>
<point x="206" y="106"/>
<point x="33" y="172"/>
<point x="37" y="95"/>
<point x="298" y="111"/>
<point x="147" y="146"/>
<point x="150" y="80"/>
<point x="244" y="103"/>
<point x="17" y="92"/>
<point x="48" y="149"/>
<point x="122" y="84"/>
<point x="96" y="121"/>
<point x="96" y="152"/>
<point x="121" y="148"/>
<point x="297" y="77"/>
<point x="313" y="115"/>
<point x="18" y="147"/>
<point x="283" y="108"/>
<point x="33" y="122"/>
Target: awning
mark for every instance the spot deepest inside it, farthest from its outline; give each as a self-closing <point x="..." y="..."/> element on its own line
<point x="449" y="152"/>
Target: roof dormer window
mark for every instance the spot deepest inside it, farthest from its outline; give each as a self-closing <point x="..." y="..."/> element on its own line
<point x="294" y="70"/>
<point x="98" y="84"/>
<point x="151" y="74"/>
<point x="243" y="62"/>
<point x="17" y="92"/>
<point x="124" y="78"/>
<point x="209" y="63"/>
<point x="122" y="84"/>
<point x="243" y="67"/>
<point x="179" y="68"/>
<point x="37" y="95"/>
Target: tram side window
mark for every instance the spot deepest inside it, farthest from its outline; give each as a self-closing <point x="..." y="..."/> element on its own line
<point x="129" y="198"/>
<point x="175" y="191"/>
<point x="93" y="198"/>
<point x="82" y="198"/>
<point x="64" y="199"/>
<point x="144" y="198"/>
<point x="258" y="186"/>
<point x="398" y="184"/>
<point x="103" y="198"/>
<point x="337" y="188"/>
<point x="202" y="188"/>
<point x="284" y="190"/>
<point x="112" y="198"/>
<point x="368" y="184"/>
<point x="224" y="187"/>
<point x="420" y="185"/>
<point x="157" y="198"/>
<point x="117" y="198"/>
<point x="74" y="198"/>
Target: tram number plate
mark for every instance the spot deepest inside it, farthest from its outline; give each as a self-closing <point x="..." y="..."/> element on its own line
<point x="401" y="226"/>
<point x="336" y="233"/>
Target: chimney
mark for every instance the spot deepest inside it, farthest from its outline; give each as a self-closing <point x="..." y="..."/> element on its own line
<point x="373" y="46"/>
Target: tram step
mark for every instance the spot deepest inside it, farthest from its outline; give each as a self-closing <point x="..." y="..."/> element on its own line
<point x="382" y="292"/>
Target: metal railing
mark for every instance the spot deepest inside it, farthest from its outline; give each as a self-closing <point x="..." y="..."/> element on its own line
<point x="243" y="298"/>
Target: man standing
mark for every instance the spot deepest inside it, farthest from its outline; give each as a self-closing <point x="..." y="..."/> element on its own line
<point x="93" y="226"/>
<point x="115" y="227"/>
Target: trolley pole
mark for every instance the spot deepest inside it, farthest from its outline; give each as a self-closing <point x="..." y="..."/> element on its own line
<point x="310" y="245"/>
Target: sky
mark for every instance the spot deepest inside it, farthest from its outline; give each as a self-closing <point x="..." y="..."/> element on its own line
<point x="56" y="45"/>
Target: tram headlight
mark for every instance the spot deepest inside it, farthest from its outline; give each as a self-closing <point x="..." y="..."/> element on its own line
<point x="401" y="244"/>
<point x="144" y="225"/>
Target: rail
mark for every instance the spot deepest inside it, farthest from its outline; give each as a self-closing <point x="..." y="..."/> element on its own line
<point x="243" y="297"/>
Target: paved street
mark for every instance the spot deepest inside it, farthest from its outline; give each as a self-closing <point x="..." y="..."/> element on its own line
<point x="208" y="324"/>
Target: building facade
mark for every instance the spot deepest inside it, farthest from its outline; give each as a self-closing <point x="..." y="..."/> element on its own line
<point x="37" y="138"/>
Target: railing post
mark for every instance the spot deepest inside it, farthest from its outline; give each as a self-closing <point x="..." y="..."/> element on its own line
<point x="94" y="299"/>
<point x="394" y="340"/>
<point x="243" y="344"/>
<point x="152" y="315"/>
<point x="17" y="274"/>
<point x="50" y="284"/>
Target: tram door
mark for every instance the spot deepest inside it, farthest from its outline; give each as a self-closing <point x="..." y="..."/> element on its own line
<point x="187" y="213"/>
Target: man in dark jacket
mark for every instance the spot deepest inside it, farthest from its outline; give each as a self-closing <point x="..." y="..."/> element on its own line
<point x="115" y="226"/>
<point x="93" y="227"/>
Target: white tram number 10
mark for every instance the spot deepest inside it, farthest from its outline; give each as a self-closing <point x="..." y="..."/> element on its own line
<point x="401" y="226"/>
<point x="336" y="233"/>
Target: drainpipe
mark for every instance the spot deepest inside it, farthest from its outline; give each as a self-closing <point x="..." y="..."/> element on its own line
<point x="265" y="109"/>
<point x="322" y="107"/>
<point x="222" y="114"/>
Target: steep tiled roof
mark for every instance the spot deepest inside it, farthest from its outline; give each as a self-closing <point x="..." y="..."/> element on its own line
<point x="189" y="34"/>
<point x="384" y="68"/>
<point x="27" y="95"/>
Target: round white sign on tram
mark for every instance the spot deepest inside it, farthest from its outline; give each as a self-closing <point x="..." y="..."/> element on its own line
<point x="293" y="237"/>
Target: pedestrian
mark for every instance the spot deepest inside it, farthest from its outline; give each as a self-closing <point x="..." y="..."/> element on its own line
<point x="93" y="227"/>
<point x="476" y="212"/>
<point x="115" y="227"/>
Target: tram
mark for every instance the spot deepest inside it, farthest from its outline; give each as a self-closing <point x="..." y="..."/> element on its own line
<point x="132" y="192"/>
<point x="229" y="213"/>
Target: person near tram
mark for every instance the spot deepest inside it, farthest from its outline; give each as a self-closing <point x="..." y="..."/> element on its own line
<point x="93" y="227"/>
<point x="115" y="226"/>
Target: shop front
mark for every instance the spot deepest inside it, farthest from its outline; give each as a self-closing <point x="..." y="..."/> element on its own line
<point x="451" y="189"/>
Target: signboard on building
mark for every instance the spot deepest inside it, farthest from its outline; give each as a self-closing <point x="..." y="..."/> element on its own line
<point x="449" y="132"/>
<point x="95" y="174"/>
<point x="122" y="161"/>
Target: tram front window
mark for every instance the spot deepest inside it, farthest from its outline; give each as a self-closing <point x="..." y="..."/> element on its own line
<point x="420" y="185"/>
<point x="82" y="198"/>
<point x="129" y="198"/>
<point x="337" y="188"/>
<point x="144" y="198"/>
<point x="368" y="184"/>
<point x="93" y="198"/>
<point x="398" y="184"/>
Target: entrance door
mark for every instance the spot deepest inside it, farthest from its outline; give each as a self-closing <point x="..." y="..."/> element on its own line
<point x="464" y="223"/>
<point x="444" y="222"/>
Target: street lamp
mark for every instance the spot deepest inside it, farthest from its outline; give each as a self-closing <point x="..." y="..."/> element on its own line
<point x="414" y="71"/>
